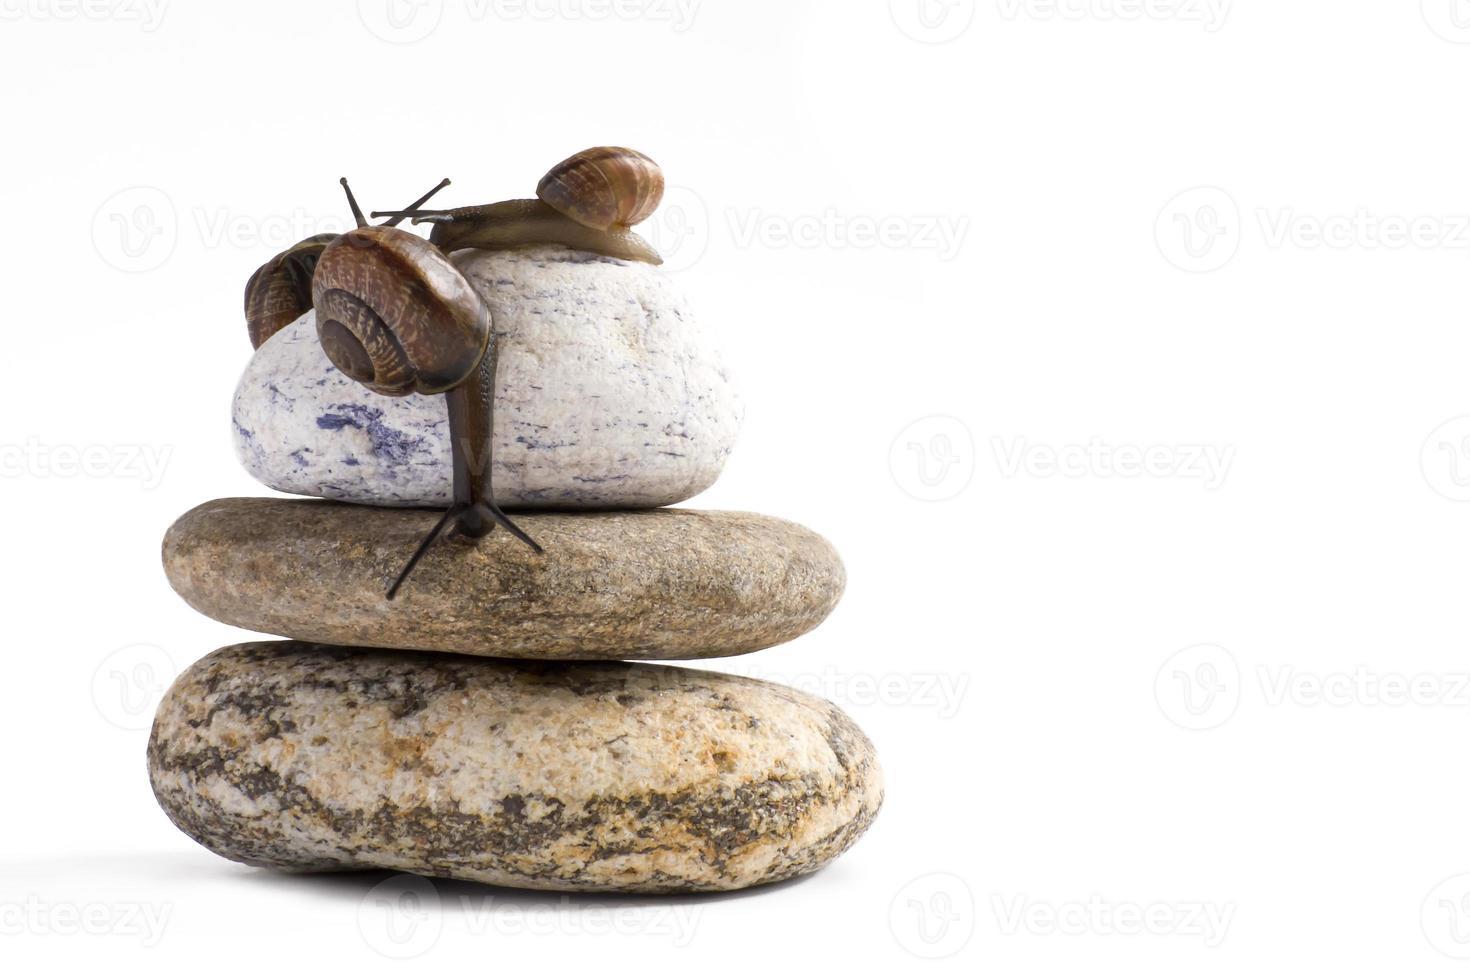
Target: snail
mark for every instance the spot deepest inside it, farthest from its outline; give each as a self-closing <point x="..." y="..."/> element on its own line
<point x="589" y="201"/>
<point x="279" y="292"/>
<point x="396" y="316"/>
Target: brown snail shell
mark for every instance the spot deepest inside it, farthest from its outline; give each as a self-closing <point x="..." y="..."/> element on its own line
<point x="603" y="187"/>
<point x="394" y="315"/>
<point x="280" y="291"/>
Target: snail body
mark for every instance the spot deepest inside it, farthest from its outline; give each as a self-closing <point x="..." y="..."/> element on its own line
<point x="514" y="224"/>
<point x="588" y="201"/>
<point x="396" y="316"/>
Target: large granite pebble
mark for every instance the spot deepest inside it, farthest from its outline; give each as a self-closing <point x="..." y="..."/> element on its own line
<point x="580" y="777"/>
<point x="611" y="395"/>
<point x="626" y="585"/>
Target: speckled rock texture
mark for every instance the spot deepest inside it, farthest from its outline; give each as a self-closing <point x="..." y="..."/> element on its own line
<point x="624" y="585"/>
<point x="578" y="777"/>
<point x="611" y="395"/>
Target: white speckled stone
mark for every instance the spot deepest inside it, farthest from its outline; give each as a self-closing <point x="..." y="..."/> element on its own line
<point x="610" y="396"/>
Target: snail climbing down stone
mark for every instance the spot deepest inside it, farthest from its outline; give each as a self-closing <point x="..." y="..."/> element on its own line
<point x="395" y="316"/>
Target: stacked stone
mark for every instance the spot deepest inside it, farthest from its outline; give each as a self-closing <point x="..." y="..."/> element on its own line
<point x="491" y="723"/>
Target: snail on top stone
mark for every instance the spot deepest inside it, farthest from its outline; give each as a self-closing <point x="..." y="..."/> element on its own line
<point x="395" y="315"/>
<point x="589" y="201"/>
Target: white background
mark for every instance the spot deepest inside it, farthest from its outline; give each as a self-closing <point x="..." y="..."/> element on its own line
<point x="1184" y="641"/>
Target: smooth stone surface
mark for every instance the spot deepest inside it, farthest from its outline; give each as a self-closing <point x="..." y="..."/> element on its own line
<point x="624" y="585"/>
<point x="578" y="777"/>
<point x="611" y="395"/>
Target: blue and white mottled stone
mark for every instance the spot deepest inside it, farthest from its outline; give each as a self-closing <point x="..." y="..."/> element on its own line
<point x="610" y="396"/>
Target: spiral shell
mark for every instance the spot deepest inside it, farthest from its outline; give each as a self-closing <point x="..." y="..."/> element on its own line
<point x="603" y="187"/>
<point x="280" y="291"/>
<point x="395" y="316"/>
